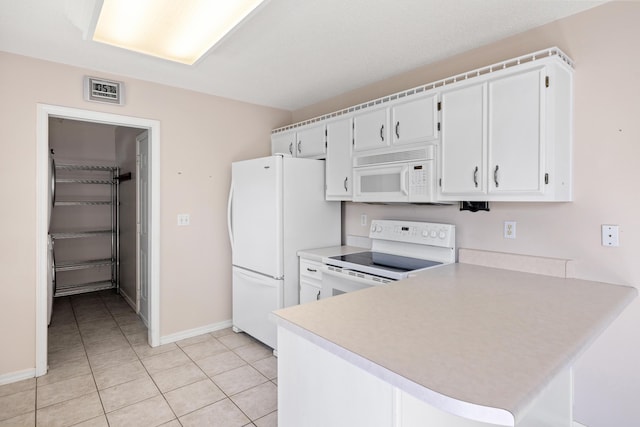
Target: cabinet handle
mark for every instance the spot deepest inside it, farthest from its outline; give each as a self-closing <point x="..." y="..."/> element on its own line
<point x="299" y="146"/>
<point x="382" y="133"/>
<point x="318" y="296"/>
<point x="398" y="129"/>
<point x="495" y="176"/>
<point x="345" y="184"/>
<point x="291" y="148"/>
<point x="313" y="270"/>
<point x="475" y="177"/>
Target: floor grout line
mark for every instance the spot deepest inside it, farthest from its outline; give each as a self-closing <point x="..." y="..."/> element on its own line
<point x="78" y="306"/>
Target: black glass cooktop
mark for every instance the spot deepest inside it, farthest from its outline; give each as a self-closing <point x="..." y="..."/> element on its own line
<point x="395" y="263"/>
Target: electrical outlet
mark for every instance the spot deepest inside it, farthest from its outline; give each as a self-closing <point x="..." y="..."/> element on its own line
<point x="363" y="220"/>
<point x="509" y="229"/>
<point x="183" y="219"/>
<point x="610" y="235"/>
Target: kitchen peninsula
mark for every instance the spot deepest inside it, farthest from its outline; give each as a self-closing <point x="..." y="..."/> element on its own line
<point x="460" y="345"/>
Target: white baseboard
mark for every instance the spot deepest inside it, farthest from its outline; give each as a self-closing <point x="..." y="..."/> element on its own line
<point x="128" y="300"/>
<point x="166" y="339"/>
<point x="577" y="424"/>
<point x="13" y="377"/>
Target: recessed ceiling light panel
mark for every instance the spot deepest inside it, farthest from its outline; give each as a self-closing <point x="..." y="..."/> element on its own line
<point x="177" y="30"/>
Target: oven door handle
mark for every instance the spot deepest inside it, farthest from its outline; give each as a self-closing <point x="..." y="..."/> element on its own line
<point x="368" y="282"/>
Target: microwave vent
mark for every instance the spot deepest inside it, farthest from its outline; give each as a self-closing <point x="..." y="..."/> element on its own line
<point x="395" y="157"/>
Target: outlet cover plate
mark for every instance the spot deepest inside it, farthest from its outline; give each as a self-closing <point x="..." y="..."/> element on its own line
<point x="509" y="229"/>
<point x="610" y="235"/>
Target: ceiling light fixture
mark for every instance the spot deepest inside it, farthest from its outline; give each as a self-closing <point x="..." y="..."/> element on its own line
<point x="177" y="30"/>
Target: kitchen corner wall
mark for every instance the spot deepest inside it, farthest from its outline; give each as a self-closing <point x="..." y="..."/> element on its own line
<point x="603" y="42"/>
<point x="200" y="136"/>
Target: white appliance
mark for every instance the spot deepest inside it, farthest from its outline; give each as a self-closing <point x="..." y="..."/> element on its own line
<point x="398" y="250"/>
<point x="276" y="207"/>
<point x="396" y="176"/>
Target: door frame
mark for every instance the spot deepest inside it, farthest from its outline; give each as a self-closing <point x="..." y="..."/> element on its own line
<point x="44" y="112"/>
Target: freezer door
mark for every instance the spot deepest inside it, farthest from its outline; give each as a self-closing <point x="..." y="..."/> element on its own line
<point x="256" y="215"/>
<point x="254" y="297"/>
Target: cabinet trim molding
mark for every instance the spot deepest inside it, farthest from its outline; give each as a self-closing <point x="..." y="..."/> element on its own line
<point x="482" y="71"/>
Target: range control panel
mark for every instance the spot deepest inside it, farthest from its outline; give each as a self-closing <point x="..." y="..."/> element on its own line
<point x="421" y="233"/>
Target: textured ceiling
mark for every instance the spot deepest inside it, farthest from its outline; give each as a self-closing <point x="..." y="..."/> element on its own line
<point x="290" y="53"/>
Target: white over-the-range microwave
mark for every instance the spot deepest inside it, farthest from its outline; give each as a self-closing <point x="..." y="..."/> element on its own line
<point x="396" y="176"/>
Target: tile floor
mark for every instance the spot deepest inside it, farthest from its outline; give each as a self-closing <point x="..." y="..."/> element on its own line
<point x="102" y="372"/>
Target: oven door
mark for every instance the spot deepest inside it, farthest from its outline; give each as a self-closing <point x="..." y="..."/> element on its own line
<point x="336" y="283"/>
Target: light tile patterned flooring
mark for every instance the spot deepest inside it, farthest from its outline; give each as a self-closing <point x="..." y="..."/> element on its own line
<point x="102" y="372"/>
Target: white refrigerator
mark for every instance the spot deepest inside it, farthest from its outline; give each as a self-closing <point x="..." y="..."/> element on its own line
<point x="276" y="208"/>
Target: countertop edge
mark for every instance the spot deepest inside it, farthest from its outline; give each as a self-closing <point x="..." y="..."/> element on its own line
<point x="445" y="403"/>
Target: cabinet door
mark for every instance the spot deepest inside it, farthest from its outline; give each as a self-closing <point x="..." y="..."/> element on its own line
<point x="516" y="132"/>
<point x="462" y="155"/>
<point x="283" y="143"/>
<point x="338" y="164"/>
<point x="308" y="292"/>
<point x="415" y="121"/>
<point x="371" y="130"/>
<point x="311" y="142"/>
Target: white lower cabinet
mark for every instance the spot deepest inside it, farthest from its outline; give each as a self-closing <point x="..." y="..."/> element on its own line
<point x="310" y="280"/>
<point x="319" y="388"/>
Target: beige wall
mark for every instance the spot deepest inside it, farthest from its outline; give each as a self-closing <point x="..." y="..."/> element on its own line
<point x="603" y="42"/>
<point x="200" y="136"/>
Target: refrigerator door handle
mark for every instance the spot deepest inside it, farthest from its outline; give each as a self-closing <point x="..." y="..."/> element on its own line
<point x="229" y="211"/>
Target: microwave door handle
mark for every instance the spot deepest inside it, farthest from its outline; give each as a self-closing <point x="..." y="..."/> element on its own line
<point x="403" y="180"/>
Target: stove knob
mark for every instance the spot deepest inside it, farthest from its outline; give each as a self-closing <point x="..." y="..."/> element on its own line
<point x="378" y="228"/>
<point x="442" y="234"/>
<point x="425" y="233"/>
<point x="434" y="233"/>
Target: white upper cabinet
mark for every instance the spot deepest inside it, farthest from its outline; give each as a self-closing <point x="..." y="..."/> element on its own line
<point x="311" y="142"/>
<point x="415" y="120"/>
<point x="284" y="143"/>
<point x="306" y="142"/>
<point x="516" y="125"/>
<point x="507" y="135"/>
<point x="463" y="147"/>
<point x="339" y="185"/>
<point x="371" y="129"/>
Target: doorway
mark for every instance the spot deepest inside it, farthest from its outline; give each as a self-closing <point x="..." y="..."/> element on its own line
<point x="151" y="215"/>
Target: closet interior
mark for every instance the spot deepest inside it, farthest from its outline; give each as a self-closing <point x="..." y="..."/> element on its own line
<point x="92" y="216"/>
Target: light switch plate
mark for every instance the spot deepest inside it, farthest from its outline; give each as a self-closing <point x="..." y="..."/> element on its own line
<point x="183" y="219"/>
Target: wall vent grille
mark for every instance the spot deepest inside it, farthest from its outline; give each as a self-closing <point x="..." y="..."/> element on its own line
<point x="398" y="156"/>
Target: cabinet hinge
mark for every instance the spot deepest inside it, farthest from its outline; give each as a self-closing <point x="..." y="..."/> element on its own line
<point x="440" y="182"/>
<point x="325" y="145"/>
<point x="439" y="106"/>
<point x="546" y="178"/>
<point x="438" y="126"/>
<point x="546" y="81"/>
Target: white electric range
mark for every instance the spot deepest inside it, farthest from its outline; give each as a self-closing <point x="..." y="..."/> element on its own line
<point x="398" y="250"/>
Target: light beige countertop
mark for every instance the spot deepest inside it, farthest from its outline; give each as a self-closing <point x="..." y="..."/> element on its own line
<point x="472" y="334"/>
<point x="319" y="254"/>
